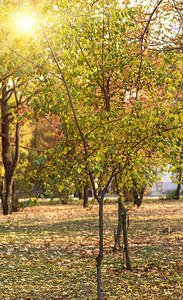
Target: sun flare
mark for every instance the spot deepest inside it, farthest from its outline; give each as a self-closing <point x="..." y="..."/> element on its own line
<point x="25" y="23"/>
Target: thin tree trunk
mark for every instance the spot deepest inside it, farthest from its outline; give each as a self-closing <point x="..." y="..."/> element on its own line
<point x="15" y="203"/>
<point x="137" y="196"/>
<point x="101" y="248"/>
<point x="9" y="194"/>
<point x="122" y="211"/>
<point x="125" y="236"/>
<point x="141" y="196"/>
<point x="138" y="199"/>
<point x="85" y="199"/>
<point x="80" y="195"/>
<point x="179" y="187"/>
<point x="117" y="237"/>
<point x="178" y="192"/>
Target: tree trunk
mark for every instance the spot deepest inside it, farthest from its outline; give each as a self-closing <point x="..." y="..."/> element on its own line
<point x="117" y="236"/>
<point x="80" y="195"/>
<point x="179" y="187"/>
<point x="101" y="248"/>
<point x="15" y="204"/>
<point x="64" y="195"/>
<point x="10" y="164"/>
<point x="138" y="198"/>
<point x="4" y="202"/>
<point x="125" y="236"/>
<point x="123" y="223"/>
<point x="85" y="199"/>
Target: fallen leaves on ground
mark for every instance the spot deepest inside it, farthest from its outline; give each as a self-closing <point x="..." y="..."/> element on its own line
<point x="49" y="252"/>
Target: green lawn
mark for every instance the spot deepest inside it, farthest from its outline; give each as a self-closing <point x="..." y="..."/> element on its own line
<point x="48" y="252"/>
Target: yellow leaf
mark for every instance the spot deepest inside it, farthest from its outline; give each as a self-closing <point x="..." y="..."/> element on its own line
<point x="160" y="144"/>
<point x="176" y="117"/>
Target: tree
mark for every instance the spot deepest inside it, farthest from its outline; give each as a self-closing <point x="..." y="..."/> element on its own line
<point x="104" y="109"/>
<point x="17" y="86"/>
<point x="12" y="98"/>
<point x="10" y="164"/>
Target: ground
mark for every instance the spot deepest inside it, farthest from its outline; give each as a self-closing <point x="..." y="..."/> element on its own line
<point x="49" y="252"/>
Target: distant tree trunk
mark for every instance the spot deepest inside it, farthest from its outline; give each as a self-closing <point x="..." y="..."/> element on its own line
<point x="122" y="222"/>
<point x="10" y="164"/>
<point x="80" y="195"/>
<point x="85" y="198"/>
<point x="179" y="187"/>
<point x="137" y="196"/>
<point x="64" y="195"/>
<point x="128" y="197"/>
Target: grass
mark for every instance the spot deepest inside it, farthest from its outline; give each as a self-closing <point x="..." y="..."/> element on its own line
<point x="49" y="251"/>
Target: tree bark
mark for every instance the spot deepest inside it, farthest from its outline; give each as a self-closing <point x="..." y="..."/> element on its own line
<point x="138" y="198"/>
<point x="80" y="195"/>
<point x="15" y="204"/>
<point x="85" y="198"/>
<point x="123" y="223"/>
<point x="117" y="237"/>
<point x="10" y="164"/>
<point x="64" y="195"/>
<point x="137" y="195"/>
<point x="179" y="187"/>
<point x="125" y="236"/>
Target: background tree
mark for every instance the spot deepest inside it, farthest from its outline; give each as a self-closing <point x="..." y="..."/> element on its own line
<point x="12" y="98"/>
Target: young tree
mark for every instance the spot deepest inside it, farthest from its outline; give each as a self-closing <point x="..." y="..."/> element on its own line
<point x="105" y="130"/>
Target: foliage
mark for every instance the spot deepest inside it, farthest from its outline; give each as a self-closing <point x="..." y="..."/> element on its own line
<point x="128" y="112"/>
<point x="125" y="94"/>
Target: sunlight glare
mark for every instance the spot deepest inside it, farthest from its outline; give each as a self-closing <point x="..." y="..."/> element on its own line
<point x="25" y="23"/>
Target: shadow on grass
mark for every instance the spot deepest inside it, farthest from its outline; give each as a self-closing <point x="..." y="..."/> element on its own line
<point x="41" y="226"/>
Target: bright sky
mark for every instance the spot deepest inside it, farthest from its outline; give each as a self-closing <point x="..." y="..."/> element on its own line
<point x="25" y="22"/>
